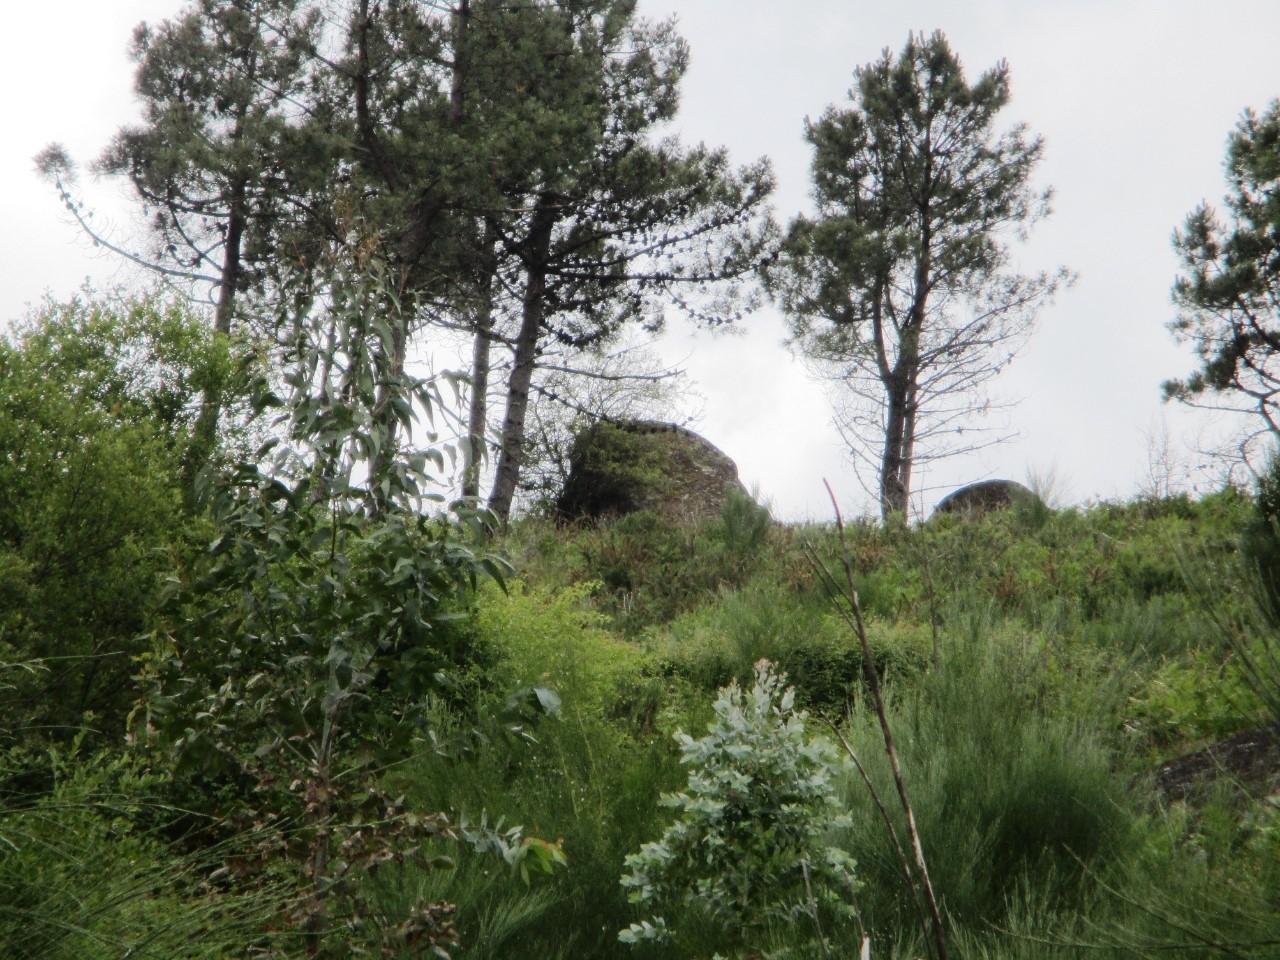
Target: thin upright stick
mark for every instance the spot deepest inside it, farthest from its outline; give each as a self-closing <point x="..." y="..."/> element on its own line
<point x="903" y="863"/>
<point x="873" y="683"/>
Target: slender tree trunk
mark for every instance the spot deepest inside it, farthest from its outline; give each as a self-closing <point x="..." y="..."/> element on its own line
<point x="895" y="467"/>
<point x="414" y="245"/>
<point x="901" y="386"/>
<point x="384" y="415"/>
<point x="205" y="433"/>
<point x="482" y="345"/>
<point x="230" y="277"/>
<point x="511" y="454"/>
<point x="533" y="312"/>
<point x="478" y="412"/>
<point x="372" y="153"/>
<point x="909" y="441"/>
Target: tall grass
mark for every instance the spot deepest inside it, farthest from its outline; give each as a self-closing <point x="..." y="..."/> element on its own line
<point x="1006" y="789"/>
<point x="87" y="872"/>
<point x="1035" y="669"/>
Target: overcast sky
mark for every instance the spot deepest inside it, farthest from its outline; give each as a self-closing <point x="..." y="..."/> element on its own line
<point x="1134" y="98"/>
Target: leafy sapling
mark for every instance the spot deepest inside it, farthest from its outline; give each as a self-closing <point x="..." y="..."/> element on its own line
<point x="748" y="849"/>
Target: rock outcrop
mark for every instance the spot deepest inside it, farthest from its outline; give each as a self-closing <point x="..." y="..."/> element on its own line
<point x="986" y="495"/>
<point x="618" y="467"/>
<point x="1250" y="761"/>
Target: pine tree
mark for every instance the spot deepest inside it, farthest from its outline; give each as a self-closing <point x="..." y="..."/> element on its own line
<point x="498" y="161"/>
<point x="213" y="161"/>
<point x="616" y="226"/>
<point x="1228" y="293"/>
<point x="899" y="287"/>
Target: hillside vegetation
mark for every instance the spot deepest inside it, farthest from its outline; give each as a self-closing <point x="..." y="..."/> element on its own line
<point x="279" y="682"/>
<point x="273" y="727"/>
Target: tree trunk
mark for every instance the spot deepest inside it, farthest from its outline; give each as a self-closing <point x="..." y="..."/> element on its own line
<point x="533" y="312"/>
<point x="478" y="413"/>
<point x="900" y="426"/>
<point x="205" y="433"/>
<point x="895" y="464"/>
<point x="512" y="450"/>
<point x="478" y="408"/>
<point x="384" y="414"/>
<point x="230" y="277"/>
<point x="901" y="386"/>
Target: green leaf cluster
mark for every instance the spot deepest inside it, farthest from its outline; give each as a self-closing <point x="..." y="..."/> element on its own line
<point x="1228" y="290"/>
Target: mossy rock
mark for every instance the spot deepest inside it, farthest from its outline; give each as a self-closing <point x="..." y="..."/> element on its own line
<point x="620" y="467"/>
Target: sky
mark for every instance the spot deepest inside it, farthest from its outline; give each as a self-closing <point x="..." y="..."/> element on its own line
<point x="1134" y="98"/>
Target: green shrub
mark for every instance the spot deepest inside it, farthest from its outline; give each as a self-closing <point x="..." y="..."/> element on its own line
<point x="96" y="404"/>
<point x="495" y="915"/>
<point x="1196" y="698"/>
<point x="615" y="470"/>
<point x="650" y="570"/>
<point x="580" y="778"/>
<point x="743" y="525"/>
<point x="748" y="849"/>
<point x="543" y="636"/>
<point x="722" y="641"/>
<point x="1260" y="540"/>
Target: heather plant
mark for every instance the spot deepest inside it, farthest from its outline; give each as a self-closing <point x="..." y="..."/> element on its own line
<point x="748" y="849"/>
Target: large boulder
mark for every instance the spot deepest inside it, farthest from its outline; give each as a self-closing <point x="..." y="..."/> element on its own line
<point x="984" y="496"/>
<point x="619" y="467"/>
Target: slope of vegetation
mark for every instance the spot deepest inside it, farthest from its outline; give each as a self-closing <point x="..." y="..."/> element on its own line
<point x="264" y="692"/>
<point x="297" y="713"/>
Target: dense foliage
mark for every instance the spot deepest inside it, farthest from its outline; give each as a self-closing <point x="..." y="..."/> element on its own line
<point x="1228" y="292"/>
<point x="97" y="402"/>
<point x="265" y="692"/>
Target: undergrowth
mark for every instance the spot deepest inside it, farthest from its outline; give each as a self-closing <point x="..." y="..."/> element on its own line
<point x="1037" y="669"/>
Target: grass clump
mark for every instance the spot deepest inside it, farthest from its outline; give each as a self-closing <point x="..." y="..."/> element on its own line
<point x="90" y="869"/>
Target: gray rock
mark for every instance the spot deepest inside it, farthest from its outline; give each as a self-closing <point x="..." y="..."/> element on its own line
<point x="619" y="467"/>
<point x="986" y="495"/>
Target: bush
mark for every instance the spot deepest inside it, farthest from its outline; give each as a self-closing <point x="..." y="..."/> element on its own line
<point x="747" y="851"/>
<point x="86" y="875"/>
<point x="1196" y="698"/>
<point x="1007" y="776"/>
<point x="722" y="641"/>
<point x="96" y="405"/>
<point x="540" y="636"/>
<point x="615" y="471"/>
<point x="1260" y="542"/>
<point x="578" y="777"/>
